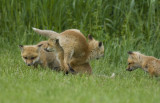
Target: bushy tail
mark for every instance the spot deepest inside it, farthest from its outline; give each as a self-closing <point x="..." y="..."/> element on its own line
<point x="76" y="30"/>
<point x="48" y="33"/>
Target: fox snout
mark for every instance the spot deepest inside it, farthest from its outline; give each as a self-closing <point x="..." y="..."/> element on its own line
<point x="129" y="69"/>
<point x="29" y="64"/>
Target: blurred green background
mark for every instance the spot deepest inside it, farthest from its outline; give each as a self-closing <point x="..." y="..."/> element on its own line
<point x="122" y="25"/>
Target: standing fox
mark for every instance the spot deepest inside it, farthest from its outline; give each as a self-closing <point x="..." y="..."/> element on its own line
<point x="35" y="54"/>
<point x="53" y="45"/>
<point x="147" y="63"/>
<point x="75" y="46"/>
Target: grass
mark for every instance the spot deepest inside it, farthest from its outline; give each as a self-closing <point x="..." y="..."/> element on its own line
<point x="19" y="83"/>
<point x="121" y="25"/>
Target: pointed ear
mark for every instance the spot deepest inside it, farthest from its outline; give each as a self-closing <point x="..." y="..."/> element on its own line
<point x="100" y="44"/>
<point x="90" y="37"/>
<point x="39" y="46"/>
<point x="130" y="52"/>
<point x="21" y="47"/>
<point x="57" y="41"/>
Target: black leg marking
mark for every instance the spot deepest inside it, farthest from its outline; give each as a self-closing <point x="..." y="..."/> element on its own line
<point x="71" y="70"/>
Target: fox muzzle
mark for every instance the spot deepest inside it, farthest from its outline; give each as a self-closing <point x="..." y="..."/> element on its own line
<point x="29" y="64"/>
<point x="129" y="69"/>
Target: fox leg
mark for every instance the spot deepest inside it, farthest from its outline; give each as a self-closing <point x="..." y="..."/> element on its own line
<point x="151" y="71"/>
<point x="61" y="60"/>
<point x="67" y="58"/>
<point x="44" y="64"/>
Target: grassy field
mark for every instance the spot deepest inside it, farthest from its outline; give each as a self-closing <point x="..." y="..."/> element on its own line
<point x="22" y="84"/>
<point x="121" y="25"/>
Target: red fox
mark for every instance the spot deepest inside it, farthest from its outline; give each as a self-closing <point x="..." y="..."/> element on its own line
<point x="147" y="63"/>
<point x="76" y="49"/>
<point x="55" y="47"/>
<point x="35" y="54"/>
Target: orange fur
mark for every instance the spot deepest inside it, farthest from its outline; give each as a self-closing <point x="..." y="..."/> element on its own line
<point x="147" y="63"/>
<point x="35" y="54"/>
<point x="58" y="50"/>
<point x="76" y="49"/>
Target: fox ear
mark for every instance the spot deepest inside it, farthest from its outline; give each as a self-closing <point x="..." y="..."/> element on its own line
<point x="21" y="47"/>
<point x="90" y="37"/>
<point x="39" y="46"/>
<point x="57" y="41"/>
<point x="130" y="52"/>
<point x="100" y="44"/>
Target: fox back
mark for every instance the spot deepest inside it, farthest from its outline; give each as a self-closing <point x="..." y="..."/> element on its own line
<point x="147" y="63"/>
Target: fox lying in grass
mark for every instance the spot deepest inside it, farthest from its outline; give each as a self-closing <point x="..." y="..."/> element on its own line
<point x="35" y="54"/>
<point x="147" y="63"/>
<point x="76" y="49"/>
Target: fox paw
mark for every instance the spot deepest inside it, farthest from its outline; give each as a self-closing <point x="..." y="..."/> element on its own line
<point x="71" y="70"/>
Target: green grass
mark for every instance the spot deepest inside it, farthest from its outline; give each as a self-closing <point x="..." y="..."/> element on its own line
<point x="122" y="26"/>
<point x="22" y="84"/>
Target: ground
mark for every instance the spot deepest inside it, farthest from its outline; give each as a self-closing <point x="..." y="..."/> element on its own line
<point x="22" y="84"/>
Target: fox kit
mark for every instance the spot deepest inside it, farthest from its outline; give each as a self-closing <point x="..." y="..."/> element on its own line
<point x="51" y="59"/>
<point x="147" y="63"/>
<point x="35" y="54"/>
<point x="75" y="46"/>
<point x="83" y="68"/>
<point x="58" y="50"/>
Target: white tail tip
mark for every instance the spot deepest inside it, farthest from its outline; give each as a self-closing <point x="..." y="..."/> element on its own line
<point x="113" y="75"/>
<point x="34" y="28"/>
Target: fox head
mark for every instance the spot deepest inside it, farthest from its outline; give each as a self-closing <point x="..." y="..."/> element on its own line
<point x="43" y="43"/>
<point x="53" y="44"/>
<point x="96" y="48"/>
<point x="30" y="54"/>
<point x="134" y="61"/>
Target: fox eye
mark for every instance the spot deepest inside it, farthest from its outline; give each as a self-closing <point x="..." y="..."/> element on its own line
<point x="129" y="63"/>
<point x="33" y="58"/>
<point x="25" y="57"/>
